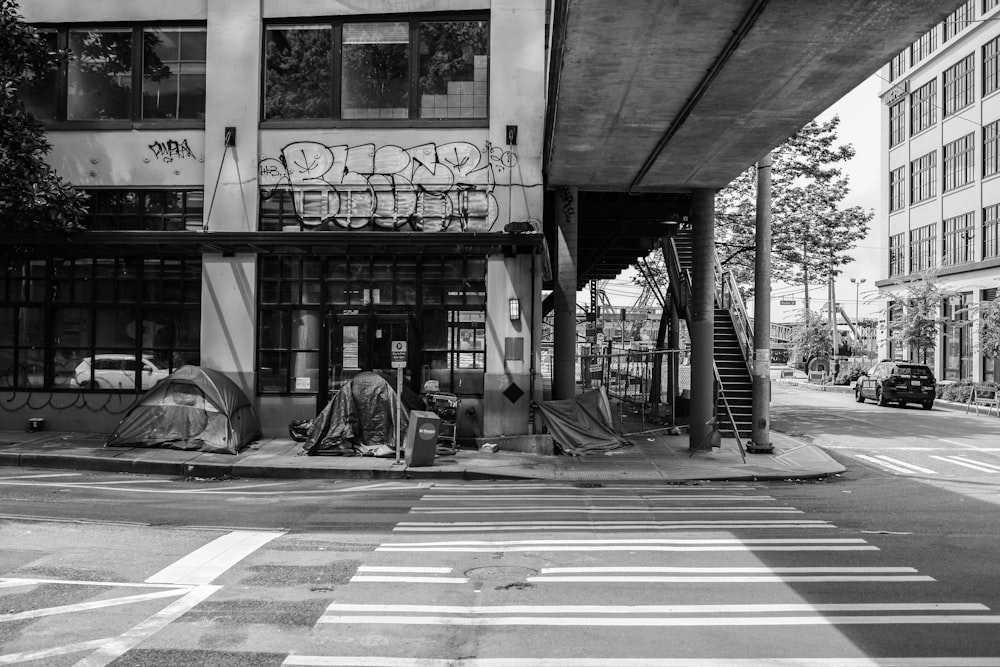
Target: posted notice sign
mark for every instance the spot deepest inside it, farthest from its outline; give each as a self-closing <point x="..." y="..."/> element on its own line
<point x="399" y="354"/>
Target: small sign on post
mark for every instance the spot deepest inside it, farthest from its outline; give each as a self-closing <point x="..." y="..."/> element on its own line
<point x="399" y="354"/>
<point x="398" y="349"/>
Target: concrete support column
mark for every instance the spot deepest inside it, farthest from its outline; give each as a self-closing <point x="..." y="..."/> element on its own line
<point x="564" y="295"/>
<point x="761" y="392"/>
<point x="702" y="317"/>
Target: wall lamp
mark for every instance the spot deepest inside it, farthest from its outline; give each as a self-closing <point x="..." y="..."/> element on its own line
<point x="515" y="309"/>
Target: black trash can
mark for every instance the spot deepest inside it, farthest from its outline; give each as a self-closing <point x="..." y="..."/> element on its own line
<point x="421" y="438"/>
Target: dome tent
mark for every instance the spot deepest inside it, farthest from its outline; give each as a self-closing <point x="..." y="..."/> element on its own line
<point x="193" y="408"/>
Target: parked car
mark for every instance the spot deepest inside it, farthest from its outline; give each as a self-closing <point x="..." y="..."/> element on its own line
<point x="897" y="382"/>
<point x="118" y="371"/>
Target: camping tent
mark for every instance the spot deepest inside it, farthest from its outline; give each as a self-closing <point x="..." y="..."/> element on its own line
<point x="193" y="408"/>
<point x="583" y="424"/>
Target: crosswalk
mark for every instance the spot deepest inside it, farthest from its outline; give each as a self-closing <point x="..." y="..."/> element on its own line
<point x="538" y="575"/>
<point x="929" y="464"/>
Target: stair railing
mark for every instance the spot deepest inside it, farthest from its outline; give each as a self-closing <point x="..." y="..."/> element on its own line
<point x="678" y="276"/>
<point x="729" y="412"/>
<point x="728" y="295"/>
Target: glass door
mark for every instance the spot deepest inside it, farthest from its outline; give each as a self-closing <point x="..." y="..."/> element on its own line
<point x="360" y="341"/>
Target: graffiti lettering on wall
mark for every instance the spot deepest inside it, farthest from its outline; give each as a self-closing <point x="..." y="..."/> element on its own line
<point x="431" y="187"/>
<point x="171" y="149"/>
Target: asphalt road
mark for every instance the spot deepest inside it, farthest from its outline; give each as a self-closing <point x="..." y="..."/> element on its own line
<point x="873" y="567"/>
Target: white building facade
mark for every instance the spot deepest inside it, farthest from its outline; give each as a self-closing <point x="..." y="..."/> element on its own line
<point x="941" y="180"/>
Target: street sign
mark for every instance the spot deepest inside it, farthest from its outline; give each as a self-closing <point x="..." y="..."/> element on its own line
<point x="399" y="354"/>
<point x="787" y="302"/>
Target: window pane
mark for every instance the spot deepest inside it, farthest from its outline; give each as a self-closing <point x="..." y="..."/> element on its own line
<point x="39" y="93"/>
<point x="173" y="73"/>
<point x="453" y="69"/>
<point x="375" y="70"/>
<point x="297" y="75"/>
<point x="100" y="74"/>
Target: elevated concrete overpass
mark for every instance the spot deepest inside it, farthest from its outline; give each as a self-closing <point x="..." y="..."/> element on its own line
<point x="654" y="105"/>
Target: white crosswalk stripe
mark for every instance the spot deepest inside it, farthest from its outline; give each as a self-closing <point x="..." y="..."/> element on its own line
<point x="899" y="466"/>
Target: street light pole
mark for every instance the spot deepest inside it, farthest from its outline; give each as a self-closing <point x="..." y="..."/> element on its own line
<point x="857" y="299"/>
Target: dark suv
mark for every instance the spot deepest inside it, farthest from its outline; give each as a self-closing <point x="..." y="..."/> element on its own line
<point x="896" y="381"/>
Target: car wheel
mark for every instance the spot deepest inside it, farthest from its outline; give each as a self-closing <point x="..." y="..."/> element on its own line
<point x="858" y="396"/>
<point x="880" y="398"/>
<point x="927" y="405"/>
<point x="902" y="404"/>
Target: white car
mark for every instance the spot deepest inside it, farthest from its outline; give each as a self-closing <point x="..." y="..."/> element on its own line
<point x="118" y="371"/>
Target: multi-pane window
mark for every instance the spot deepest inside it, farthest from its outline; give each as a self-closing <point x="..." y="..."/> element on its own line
<point x="897" y="189"/>
<point x="123" y="73"/>
<point x="120" y="323"/>
<point x="990" y="4"/>
<point x="924" y="46"/>
<point x="897" y="123"/>
<point x="991" y="240"/>
<point x="991" y="148"/>
<point x="922" y="243"/>
<point x="434" y="69"/>
<point x="959" y="162"/>
<point x="897" y="254"/>
<point x="959" y="19"/>
<point x="923" y="112"/>
<point x="154" y="210"/>
<point x="959" y="239"/>
<point x="923" y="177"/>
<point x="897" y="65"/>
<point x="959" y="85"/>
<point x="991" y="71"/>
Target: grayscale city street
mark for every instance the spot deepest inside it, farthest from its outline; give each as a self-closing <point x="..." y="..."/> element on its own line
<point x="895" y="558"/>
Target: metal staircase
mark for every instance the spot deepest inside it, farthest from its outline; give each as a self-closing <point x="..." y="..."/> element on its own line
<point x="733" y="335"/>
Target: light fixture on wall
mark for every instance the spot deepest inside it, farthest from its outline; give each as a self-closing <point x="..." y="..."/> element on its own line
<point x="515" y="309"/>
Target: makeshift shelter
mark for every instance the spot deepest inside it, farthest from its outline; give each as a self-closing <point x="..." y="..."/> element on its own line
<point x="193" y="408"/>
<point x="582" y="425"/>
<point x="360" y="419"/>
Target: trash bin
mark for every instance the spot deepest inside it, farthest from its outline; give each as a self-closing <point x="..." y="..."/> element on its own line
<point x="421" y="438"/>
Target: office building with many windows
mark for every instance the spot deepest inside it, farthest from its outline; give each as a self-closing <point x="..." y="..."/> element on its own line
<point x="285" y="191"/>
<point x="941" y="180"/>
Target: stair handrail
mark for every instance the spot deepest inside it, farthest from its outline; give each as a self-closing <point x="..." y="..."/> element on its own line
<point x="729" y="297"/>
<point x="729" y="412"/>
<point x="678" y="276"/>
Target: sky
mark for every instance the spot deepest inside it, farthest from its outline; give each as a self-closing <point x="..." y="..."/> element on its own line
<point x="860" y="119"/>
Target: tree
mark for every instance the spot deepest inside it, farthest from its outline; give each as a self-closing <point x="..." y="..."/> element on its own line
<point x="811" y="338"/>
<point x="917" y="317"/>
<point x="989" y="329"/>
<point x="811" y="232"/>
<point x="33" y="197"/>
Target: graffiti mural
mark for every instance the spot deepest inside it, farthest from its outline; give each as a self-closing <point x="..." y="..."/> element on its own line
<point x="429" y="188"/>
<point x="171" y="149"/>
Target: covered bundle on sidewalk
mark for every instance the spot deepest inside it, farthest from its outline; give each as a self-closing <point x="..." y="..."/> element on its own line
<point x="194" y="408"/>
<point x="360" y="419"/>
<point x="582" y="425"/>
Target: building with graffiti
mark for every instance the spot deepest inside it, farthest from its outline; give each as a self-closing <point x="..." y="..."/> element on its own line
<point x="284" y="191"/>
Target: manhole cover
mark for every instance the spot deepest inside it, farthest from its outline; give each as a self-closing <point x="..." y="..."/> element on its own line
<point x="500" y="573"/>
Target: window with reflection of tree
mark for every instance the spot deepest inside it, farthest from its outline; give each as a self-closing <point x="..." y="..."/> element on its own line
<point x="386" y="69"/>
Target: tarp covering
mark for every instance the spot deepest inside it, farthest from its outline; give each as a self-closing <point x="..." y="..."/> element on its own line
<point x="194" y="408"/>
<point x="582" y="425"/>
<point x="360" y="419"/>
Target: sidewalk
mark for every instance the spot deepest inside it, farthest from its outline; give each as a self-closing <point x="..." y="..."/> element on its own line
<point x="655" y="456"/>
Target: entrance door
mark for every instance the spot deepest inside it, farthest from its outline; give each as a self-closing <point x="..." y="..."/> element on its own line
<point x="360" y="341"/>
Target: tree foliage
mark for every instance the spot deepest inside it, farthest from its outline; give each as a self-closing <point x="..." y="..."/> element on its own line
<point x="32" y="195"/>
<point x="917" y="316"/>
<point x="810" y="228"/>
<point x="811" y="339"/>
<point x="989" y="329"/>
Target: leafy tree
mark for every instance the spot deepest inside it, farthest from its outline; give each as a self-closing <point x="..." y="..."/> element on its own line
<point x="32" y="195"/>
<point x="989" y="329"/>
<point x="918" y="316"/>
<point x="811" y="338"/>
<point x="811" y="231"/>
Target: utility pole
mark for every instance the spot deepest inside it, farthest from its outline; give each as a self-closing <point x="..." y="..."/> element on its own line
<point x="805" y="273"/>
<point x="833" y="321"/>
<point x="761" y="389"/>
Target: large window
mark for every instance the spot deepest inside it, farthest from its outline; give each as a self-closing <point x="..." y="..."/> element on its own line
<point x="923" y="112"/>
<point x="897" y="254"/>
<point x="897" y="123"/>
<point x="991" y="72"/>
<point x="97" y="323"/>
<point x="897" y="189"/>
<point x="922" y="243"/>
<point x="959" y="85"/>
<point x="155" y="210"/>
<point x="128" y="73"/>
<point x="959" y="19"/>
<point x="429" y="69"/>
<point x="959" y="164"/>
<point x="991" y="239"/>
<point x="991" y="148"/>
<point x="897" y="65"/>
<point x="923" y="176"/>
<point x="959" y="239"/>
<point x="924" y="46"/>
